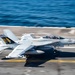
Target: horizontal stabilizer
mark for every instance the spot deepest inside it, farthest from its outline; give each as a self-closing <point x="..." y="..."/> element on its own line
<point x="2" y="47"/>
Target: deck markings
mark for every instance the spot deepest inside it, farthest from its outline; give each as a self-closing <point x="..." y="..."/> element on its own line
<point x="53" y="61"/>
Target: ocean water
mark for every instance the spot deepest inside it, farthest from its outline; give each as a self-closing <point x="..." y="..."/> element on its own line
<point x="39" y="13"/>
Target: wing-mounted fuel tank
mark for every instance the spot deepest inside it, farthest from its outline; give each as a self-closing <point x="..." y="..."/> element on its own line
<point x="34" y="52"/>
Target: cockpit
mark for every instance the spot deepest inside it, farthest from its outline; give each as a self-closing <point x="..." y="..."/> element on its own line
<point x="53" y="37"/>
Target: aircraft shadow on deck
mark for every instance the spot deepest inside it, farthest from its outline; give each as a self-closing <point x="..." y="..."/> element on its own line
<point x="40" y="59"/>
<point x="48" y="55"/>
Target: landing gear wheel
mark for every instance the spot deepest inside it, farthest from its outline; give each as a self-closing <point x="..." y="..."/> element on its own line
<point x="27" y="56"/>
<point x="55" y="51"/>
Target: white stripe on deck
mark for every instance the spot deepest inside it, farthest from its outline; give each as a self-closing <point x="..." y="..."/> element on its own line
<point x="2" y="60"/>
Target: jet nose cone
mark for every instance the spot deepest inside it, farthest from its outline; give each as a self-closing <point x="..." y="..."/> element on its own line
<point x="74" y="41"/>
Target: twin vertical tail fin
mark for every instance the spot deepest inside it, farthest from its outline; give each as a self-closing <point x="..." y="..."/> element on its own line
<point x="26" y="37"/>
<point x="6" y="40"/>
<point x="10" y="35"/>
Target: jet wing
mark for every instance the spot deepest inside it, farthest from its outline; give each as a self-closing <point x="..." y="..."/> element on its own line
<point x="19" y="50"/>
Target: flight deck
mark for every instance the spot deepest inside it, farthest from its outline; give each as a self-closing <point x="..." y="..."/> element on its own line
<point x="61" y="62"/>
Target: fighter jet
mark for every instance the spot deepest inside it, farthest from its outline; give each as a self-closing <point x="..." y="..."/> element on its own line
<point x="26" y="45"/>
